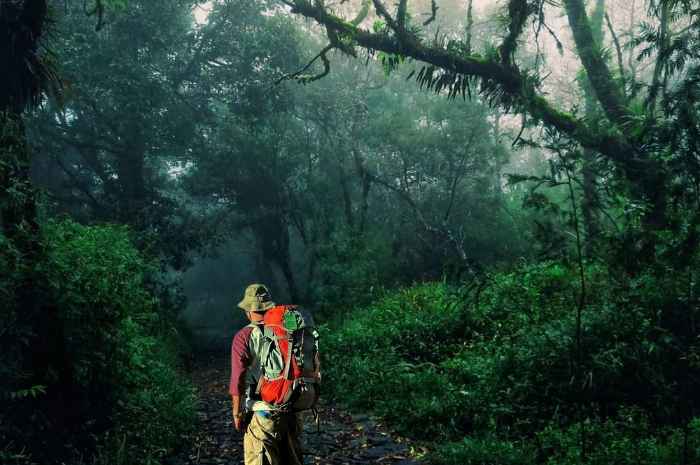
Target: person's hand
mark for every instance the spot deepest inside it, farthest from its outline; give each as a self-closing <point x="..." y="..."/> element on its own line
<point x="238" y="421"/>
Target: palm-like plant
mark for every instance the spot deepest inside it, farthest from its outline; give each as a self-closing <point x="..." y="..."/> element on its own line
<point x="28" y="74"/>
<point x="28" y="66"/>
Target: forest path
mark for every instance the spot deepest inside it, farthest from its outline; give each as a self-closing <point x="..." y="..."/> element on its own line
<point x="343" y="439"/>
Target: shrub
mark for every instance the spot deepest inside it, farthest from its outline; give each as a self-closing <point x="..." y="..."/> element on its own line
<point x="484" y="451"/>
<point x="511" y="365"/>
<point x="393" y="347"/>
<point x="627" y="439"/>
<point x="105" y="359"/>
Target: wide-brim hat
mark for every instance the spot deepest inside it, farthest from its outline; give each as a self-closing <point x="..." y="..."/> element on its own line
<point x="257" y="298"/>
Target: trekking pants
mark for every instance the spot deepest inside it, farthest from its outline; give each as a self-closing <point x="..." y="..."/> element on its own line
<point x="273" y="440"/>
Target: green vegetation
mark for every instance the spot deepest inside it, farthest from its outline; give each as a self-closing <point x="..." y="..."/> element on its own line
<point x="506" y="367"/>
<point x="100" y="362"/>
<point x="509" y="277"/>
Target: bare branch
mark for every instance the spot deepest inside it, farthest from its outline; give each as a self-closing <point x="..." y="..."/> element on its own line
<point x="401" y="15"/>
<point x="433" y="13"/>
<point x="78" y="184"/>
<point x="618" y="49"/>
<point x="470" y="25"/>
<point x="444" y="232"/>
<point x="304" y="78"/>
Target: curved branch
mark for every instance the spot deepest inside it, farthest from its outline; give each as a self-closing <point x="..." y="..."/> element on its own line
<point x="444" y="232"/>
<point x="305" y="79"/>
<point x="433" y="13"/>
<point x="618" y="49"/>
<point x="510" y="80"/>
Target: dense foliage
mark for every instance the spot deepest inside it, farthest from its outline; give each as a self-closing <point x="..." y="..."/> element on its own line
<point x="97" y="365"/>
<point x="512" y="275"/>
<point x="509" y="367"/>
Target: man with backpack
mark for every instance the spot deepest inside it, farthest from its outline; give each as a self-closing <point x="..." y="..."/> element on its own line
<point x="275" y="374"/>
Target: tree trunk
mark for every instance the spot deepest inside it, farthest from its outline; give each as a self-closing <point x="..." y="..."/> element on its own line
<point x="591" y="202"/>
<point x="273" y="236"/>
<point x="131" y="169"/>
<point x="470" y="27"/>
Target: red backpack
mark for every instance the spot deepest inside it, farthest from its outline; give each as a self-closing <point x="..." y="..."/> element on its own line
<point x="289" y="359"/>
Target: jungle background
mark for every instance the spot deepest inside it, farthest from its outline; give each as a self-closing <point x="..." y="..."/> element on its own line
<point x="491" y="207"/>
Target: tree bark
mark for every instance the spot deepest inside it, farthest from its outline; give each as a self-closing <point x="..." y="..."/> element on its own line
<point x="470" y="27"/>
<point x="590" y="52"/>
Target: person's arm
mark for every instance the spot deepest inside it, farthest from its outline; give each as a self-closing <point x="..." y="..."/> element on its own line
<point x="238" y="414"/>
<point x="240" y="359"/>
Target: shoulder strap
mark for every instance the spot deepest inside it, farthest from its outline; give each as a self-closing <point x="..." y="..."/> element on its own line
<point x="288" y="361"/>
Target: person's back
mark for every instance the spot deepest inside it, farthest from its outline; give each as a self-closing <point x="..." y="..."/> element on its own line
<point x="271" y="433"/>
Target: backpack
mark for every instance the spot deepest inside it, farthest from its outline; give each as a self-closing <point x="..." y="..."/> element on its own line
<point x="289" y="359"/>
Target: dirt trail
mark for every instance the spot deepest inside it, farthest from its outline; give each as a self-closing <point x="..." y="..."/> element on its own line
<point x="343" y="439"/>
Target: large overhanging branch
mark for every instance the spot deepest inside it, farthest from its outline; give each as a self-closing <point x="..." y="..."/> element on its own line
<point x="508" y="78"/>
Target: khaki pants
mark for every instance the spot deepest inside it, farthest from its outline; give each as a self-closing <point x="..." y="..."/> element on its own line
<point x="273" y="440"/>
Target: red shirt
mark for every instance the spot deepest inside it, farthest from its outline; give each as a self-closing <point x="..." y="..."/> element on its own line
<point x="240" y="360"/>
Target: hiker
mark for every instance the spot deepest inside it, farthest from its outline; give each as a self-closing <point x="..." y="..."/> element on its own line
<point x="274" y="376"/>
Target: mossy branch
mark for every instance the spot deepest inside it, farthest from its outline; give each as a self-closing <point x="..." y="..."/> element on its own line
<point x="511" y="81"/>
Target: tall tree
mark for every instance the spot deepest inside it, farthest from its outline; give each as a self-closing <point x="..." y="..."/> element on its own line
<point x="112" y="152"/>
<point x="27" y="75"/>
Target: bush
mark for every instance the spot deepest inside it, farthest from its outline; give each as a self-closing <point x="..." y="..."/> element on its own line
<point x="106" y="360"/>
<point x="393" y="347"/>
<point x="510" y="366"/>
<point x="459" y="365"/>
<point x="627" y="439"/>
<point x="486" y="451"/>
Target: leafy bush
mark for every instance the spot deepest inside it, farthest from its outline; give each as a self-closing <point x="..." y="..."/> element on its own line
<point x="393" y="347"/>
<point x="486" y="451"/>
<point x="106" y="360"/>
<point x="626" y="439"/>
<point x="514" y="364"/>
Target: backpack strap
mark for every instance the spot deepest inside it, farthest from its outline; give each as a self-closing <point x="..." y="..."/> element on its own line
<point x="258" y="388"/>
<point x="288" y="362"/>
<point x="269" y="334"/>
